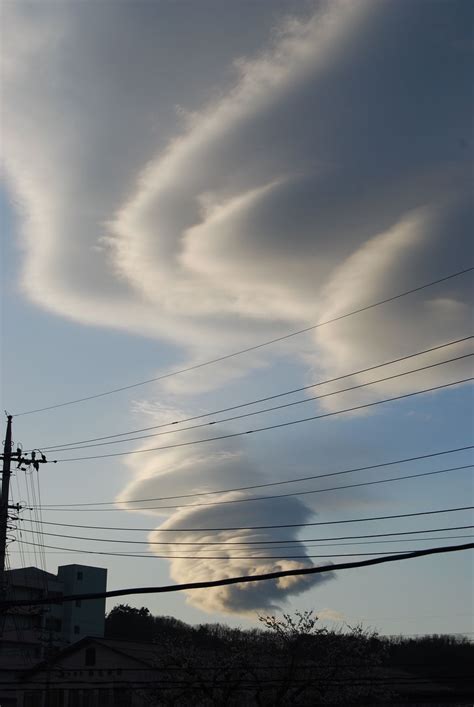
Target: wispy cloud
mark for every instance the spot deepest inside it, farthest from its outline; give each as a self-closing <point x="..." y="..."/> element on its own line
<point x="328" y="175"/>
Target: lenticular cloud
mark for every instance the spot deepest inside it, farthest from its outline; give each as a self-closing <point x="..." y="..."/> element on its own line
<point x="320" y="178"/>
<point x="186" y="472"/>
<point x="328" y="170"/>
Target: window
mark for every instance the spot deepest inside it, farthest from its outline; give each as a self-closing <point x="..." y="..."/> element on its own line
<point x="78" y="602"/>
<point x="79" y="575"/>
<point x="90" y="655"/>
<point x="77" y="629"/>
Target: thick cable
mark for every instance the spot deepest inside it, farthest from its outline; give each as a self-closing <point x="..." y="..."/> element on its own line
<point x="245" y="579"/>
<point x="68" y="550"/>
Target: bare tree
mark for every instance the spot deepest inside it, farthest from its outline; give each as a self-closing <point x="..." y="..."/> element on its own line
<point x="292" y="662"/>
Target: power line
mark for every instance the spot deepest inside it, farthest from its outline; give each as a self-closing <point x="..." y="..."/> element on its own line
<point x="256" y="486"/>
<point x="151" y="555"/>
<point x="268" y="427"/>
<point x="237" y="580"/>
<point x="235" y="557"/>
<point x="268" y="527"/>
<point x="307" y="493"/>
<point x="249" y="348"/>
<point x="112" y="540"/>
<point x="253" y="682"/>
<point x="258" y="667"/>
<point x="259" y="400"/>
<point x="265" y="410"/>
<point x="276" y="542"/>
<point x="177" y="668"/>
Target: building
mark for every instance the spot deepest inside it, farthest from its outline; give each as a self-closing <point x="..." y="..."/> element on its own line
<point x="31" y="633"/>
<point x="93" y="672"/>
<point x="80" y="619"/>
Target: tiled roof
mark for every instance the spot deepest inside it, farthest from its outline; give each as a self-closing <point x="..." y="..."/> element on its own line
<point x="145" y="652"/>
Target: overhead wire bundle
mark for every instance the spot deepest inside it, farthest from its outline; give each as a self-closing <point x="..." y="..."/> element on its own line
<point x="35" y="505"/>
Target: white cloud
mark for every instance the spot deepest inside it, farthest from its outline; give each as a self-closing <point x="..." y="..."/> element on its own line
<point x="314" y="165"/>
<point x="330" y="614"/>
<point x="221" y="465"/>
<point x="332" y="173"/>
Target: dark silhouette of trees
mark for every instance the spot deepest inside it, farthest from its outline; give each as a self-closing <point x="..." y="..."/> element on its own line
<point x="130" y="624"/>
<point x="127" y="623"/>
<point x="292" y="660"/>
<point x="449" y="658"/>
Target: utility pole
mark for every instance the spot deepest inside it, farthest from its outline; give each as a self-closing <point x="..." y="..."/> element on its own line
<point x="7" y="456"/>
<point x="22" y="463"/>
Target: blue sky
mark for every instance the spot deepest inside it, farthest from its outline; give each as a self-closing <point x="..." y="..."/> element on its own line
<point x="184" y="180"/>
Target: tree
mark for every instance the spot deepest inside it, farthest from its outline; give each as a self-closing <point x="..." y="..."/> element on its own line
<point x="293" y="662"/>
<point x="319" y="666"/>
<point x="128" y="623"/>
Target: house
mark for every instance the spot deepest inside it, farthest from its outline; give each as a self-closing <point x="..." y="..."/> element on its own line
<point x="93" y="672"/>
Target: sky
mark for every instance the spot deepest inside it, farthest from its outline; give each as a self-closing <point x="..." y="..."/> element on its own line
<point x="183" y="180"/>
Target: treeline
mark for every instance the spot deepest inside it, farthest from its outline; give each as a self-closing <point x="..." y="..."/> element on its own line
<point x="439" y="655"/>
<point x="291" y="660"/>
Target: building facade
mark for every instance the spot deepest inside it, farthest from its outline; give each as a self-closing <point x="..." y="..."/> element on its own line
<point x="94" y="673"/>
<point x="29" y="634"/>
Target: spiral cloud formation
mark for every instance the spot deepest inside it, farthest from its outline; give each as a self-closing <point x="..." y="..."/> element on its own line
<point x="325" y="172"/>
